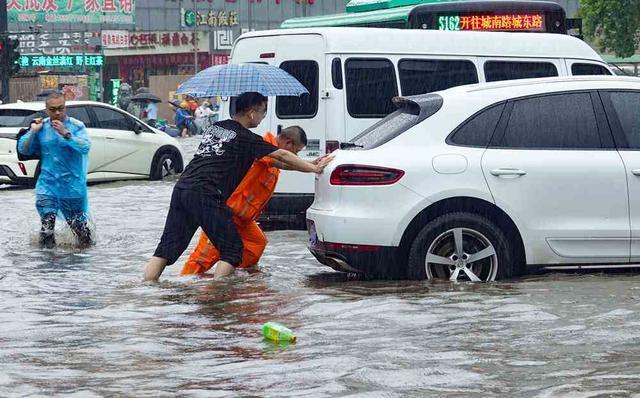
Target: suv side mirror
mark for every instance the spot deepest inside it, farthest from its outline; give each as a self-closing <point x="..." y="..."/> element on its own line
<point x="137" y="128"/>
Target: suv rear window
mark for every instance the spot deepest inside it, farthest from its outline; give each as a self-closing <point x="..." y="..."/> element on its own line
<point x="16" y="117"/>
<point x="408" y="115"/>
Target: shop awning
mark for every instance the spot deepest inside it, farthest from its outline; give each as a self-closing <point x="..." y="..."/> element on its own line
<point x="400" y="14"/>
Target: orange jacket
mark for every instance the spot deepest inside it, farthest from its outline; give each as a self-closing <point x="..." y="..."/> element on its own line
<point x="256" y="188"/>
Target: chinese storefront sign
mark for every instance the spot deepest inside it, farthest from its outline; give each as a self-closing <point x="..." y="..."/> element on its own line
<point x="161" y="39"/>
<point x="159" y="42"/>
<point x="115" y="39"/>
<point x="526" y="22"/>
<point x="219" y="59"/>
<point x="310" y="2"/>
<point x="32" y="61"/>
<point x="57" y="43"/>
<point x="212" y="18"/>
<point x="115" y="88"/>
<point x="72" y="11"/>
<point x="49" y="82"/>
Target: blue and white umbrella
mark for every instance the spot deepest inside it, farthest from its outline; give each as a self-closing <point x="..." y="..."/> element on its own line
<point x="235" y="79"/>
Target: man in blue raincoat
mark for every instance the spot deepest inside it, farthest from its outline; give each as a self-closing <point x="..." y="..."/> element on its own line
<point x="63" y="145"/>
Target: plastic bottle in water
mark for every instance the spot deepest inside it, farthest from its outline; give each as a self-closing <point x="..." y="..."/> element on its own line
<point x="278" y="333"/>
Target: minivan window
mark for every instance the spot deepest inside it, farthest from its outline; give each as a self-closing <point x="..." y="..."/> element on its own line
<point x="16" y="117"/>
<point x="478" y="129"/>
<point x="305" y="106"/>
<point x="507" y="70"/>
<point x="371" y="84"/>
<point x="589" y="69"/>
<point x="559" y="121"/>
<point x="406" y="116"/>
<point x="420" y="76"/>
<point x="627" y="107"/>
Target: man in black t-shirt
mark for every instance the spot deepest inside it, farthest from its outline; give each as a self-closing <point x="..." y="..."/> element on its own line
<point x="225" y="154"/>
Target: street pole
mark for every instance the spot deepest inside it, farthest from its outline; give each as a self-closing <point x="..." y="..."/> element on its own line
<point x="195" y="38"/>
<point x="4" y="30"/>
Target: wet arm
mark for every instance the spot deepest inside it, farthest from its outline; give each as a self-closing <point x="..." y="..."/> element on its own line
<point x="281" y="165"/>
<point x="29" y="143"/>
<point x="293" y="162"/>
<point x="79" y="141"/>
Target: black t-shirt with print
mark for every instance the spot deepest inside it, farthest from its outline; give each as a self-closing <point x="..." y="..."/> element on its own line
<point x="225" y="154"/>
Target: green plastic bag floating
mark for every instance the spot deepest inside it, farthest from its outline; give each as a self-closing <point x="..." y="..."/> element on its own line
<point x="278" y="333"/>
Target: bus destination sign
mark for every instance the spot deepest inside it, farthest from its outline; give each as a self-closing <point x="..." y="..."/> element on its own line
<point x="503" y="22"/>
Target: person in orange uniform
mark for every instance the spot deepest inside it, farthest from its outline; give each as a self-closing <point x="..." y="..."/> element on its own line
<point x="246" y="204"/>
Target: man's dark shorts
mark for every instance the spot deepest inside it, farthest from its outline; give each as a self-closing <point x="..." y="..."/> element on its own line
<point x="190" y="209"/>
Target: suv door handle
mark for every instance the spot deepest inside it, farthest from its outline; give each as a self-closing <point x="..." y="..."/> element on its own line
<point x="110" y="138"/>
<point x="507" y="172"/>
<point x="635" y="172"/>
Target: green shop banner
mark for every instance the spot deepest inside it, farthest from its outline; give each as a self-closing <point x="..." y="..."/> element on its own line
<point x="49" y="61"/>
<point x="72" y="11"/>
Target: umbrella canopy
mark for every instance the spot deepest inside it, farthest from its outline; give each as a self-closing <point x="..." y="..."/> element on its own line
<point x="235" y="79"/>
<point x="146" y="97"/>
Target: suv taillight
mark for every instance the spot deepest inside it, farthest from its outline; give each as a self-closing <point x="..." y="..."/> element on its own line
<point x="331" y="146"/>
<point x="353" y="174"/>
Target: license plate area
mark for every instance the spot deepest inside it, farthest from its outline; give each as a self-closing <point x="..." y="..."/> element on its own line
<point x="313" y="235"/>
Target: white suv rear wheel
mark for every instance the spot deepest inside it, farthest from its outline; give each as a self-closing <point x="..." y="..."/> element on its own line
<point x="461" y="247"/>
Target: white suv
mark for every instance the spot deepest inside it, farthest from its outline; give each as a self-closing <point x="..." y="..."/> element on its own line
<point x="122" y="146"/>
<point x="478" y="182"/>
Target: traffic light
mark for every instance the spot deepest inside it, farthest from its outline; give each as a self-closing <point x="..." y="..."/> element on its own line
<point x="9" y="55"/>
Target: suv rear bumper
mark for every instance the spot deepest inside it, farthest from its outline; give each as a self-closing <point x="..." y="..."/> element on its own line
<point x="378" y="261"/>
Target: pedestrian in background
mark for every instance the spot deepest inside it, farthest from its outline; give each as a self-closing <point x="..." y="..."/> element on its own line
<point x="63" y="145"/>
<point x="151" y="113"/>
<point x="184" y="119"/>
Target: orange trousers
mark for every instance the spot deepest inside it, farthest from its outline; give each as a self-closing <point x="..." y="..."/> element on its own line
<point x="206" y="255"/>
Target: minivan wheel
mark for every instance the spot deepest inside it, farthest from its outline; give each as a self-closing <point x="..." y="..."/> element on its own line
<point x="461" y="247"/>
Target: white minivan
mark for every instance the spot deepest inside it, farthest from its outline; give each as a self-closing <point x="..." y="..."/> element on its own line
<point x="353" y="73"/>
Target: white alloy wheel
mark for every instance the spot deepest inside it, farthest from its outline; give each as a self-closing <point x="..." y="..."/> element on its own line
<point x="461" y="254"/>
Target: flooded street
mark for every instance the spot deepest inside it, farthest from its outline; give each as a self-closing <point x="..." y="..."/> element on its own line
<point x="81" y="323"/>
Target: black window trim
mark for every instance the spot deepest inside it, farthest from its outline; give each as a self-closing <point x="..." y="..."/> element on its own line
<point x="449" y="139"/>
<point x="612" y="117"/>
<point x="465" y="60"/>
<point x="317" y="107"/>
<point x="337" y="76"/>
<point x="346" y="97"/>
<point x="597" y="110"/>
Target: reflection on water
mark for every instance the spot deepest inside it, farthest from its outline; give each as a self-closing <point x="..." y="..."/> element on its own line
<point x="81" y="322"/>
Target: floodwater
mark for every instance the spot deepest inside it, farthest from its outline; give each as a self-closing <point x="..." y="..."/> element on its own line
<point x="82" y="323"/>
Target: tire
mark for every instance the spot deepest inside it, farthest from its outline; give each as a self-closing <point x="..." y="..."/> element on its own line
<point x="480" y="236"/>
<point x="165" y="165"/>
